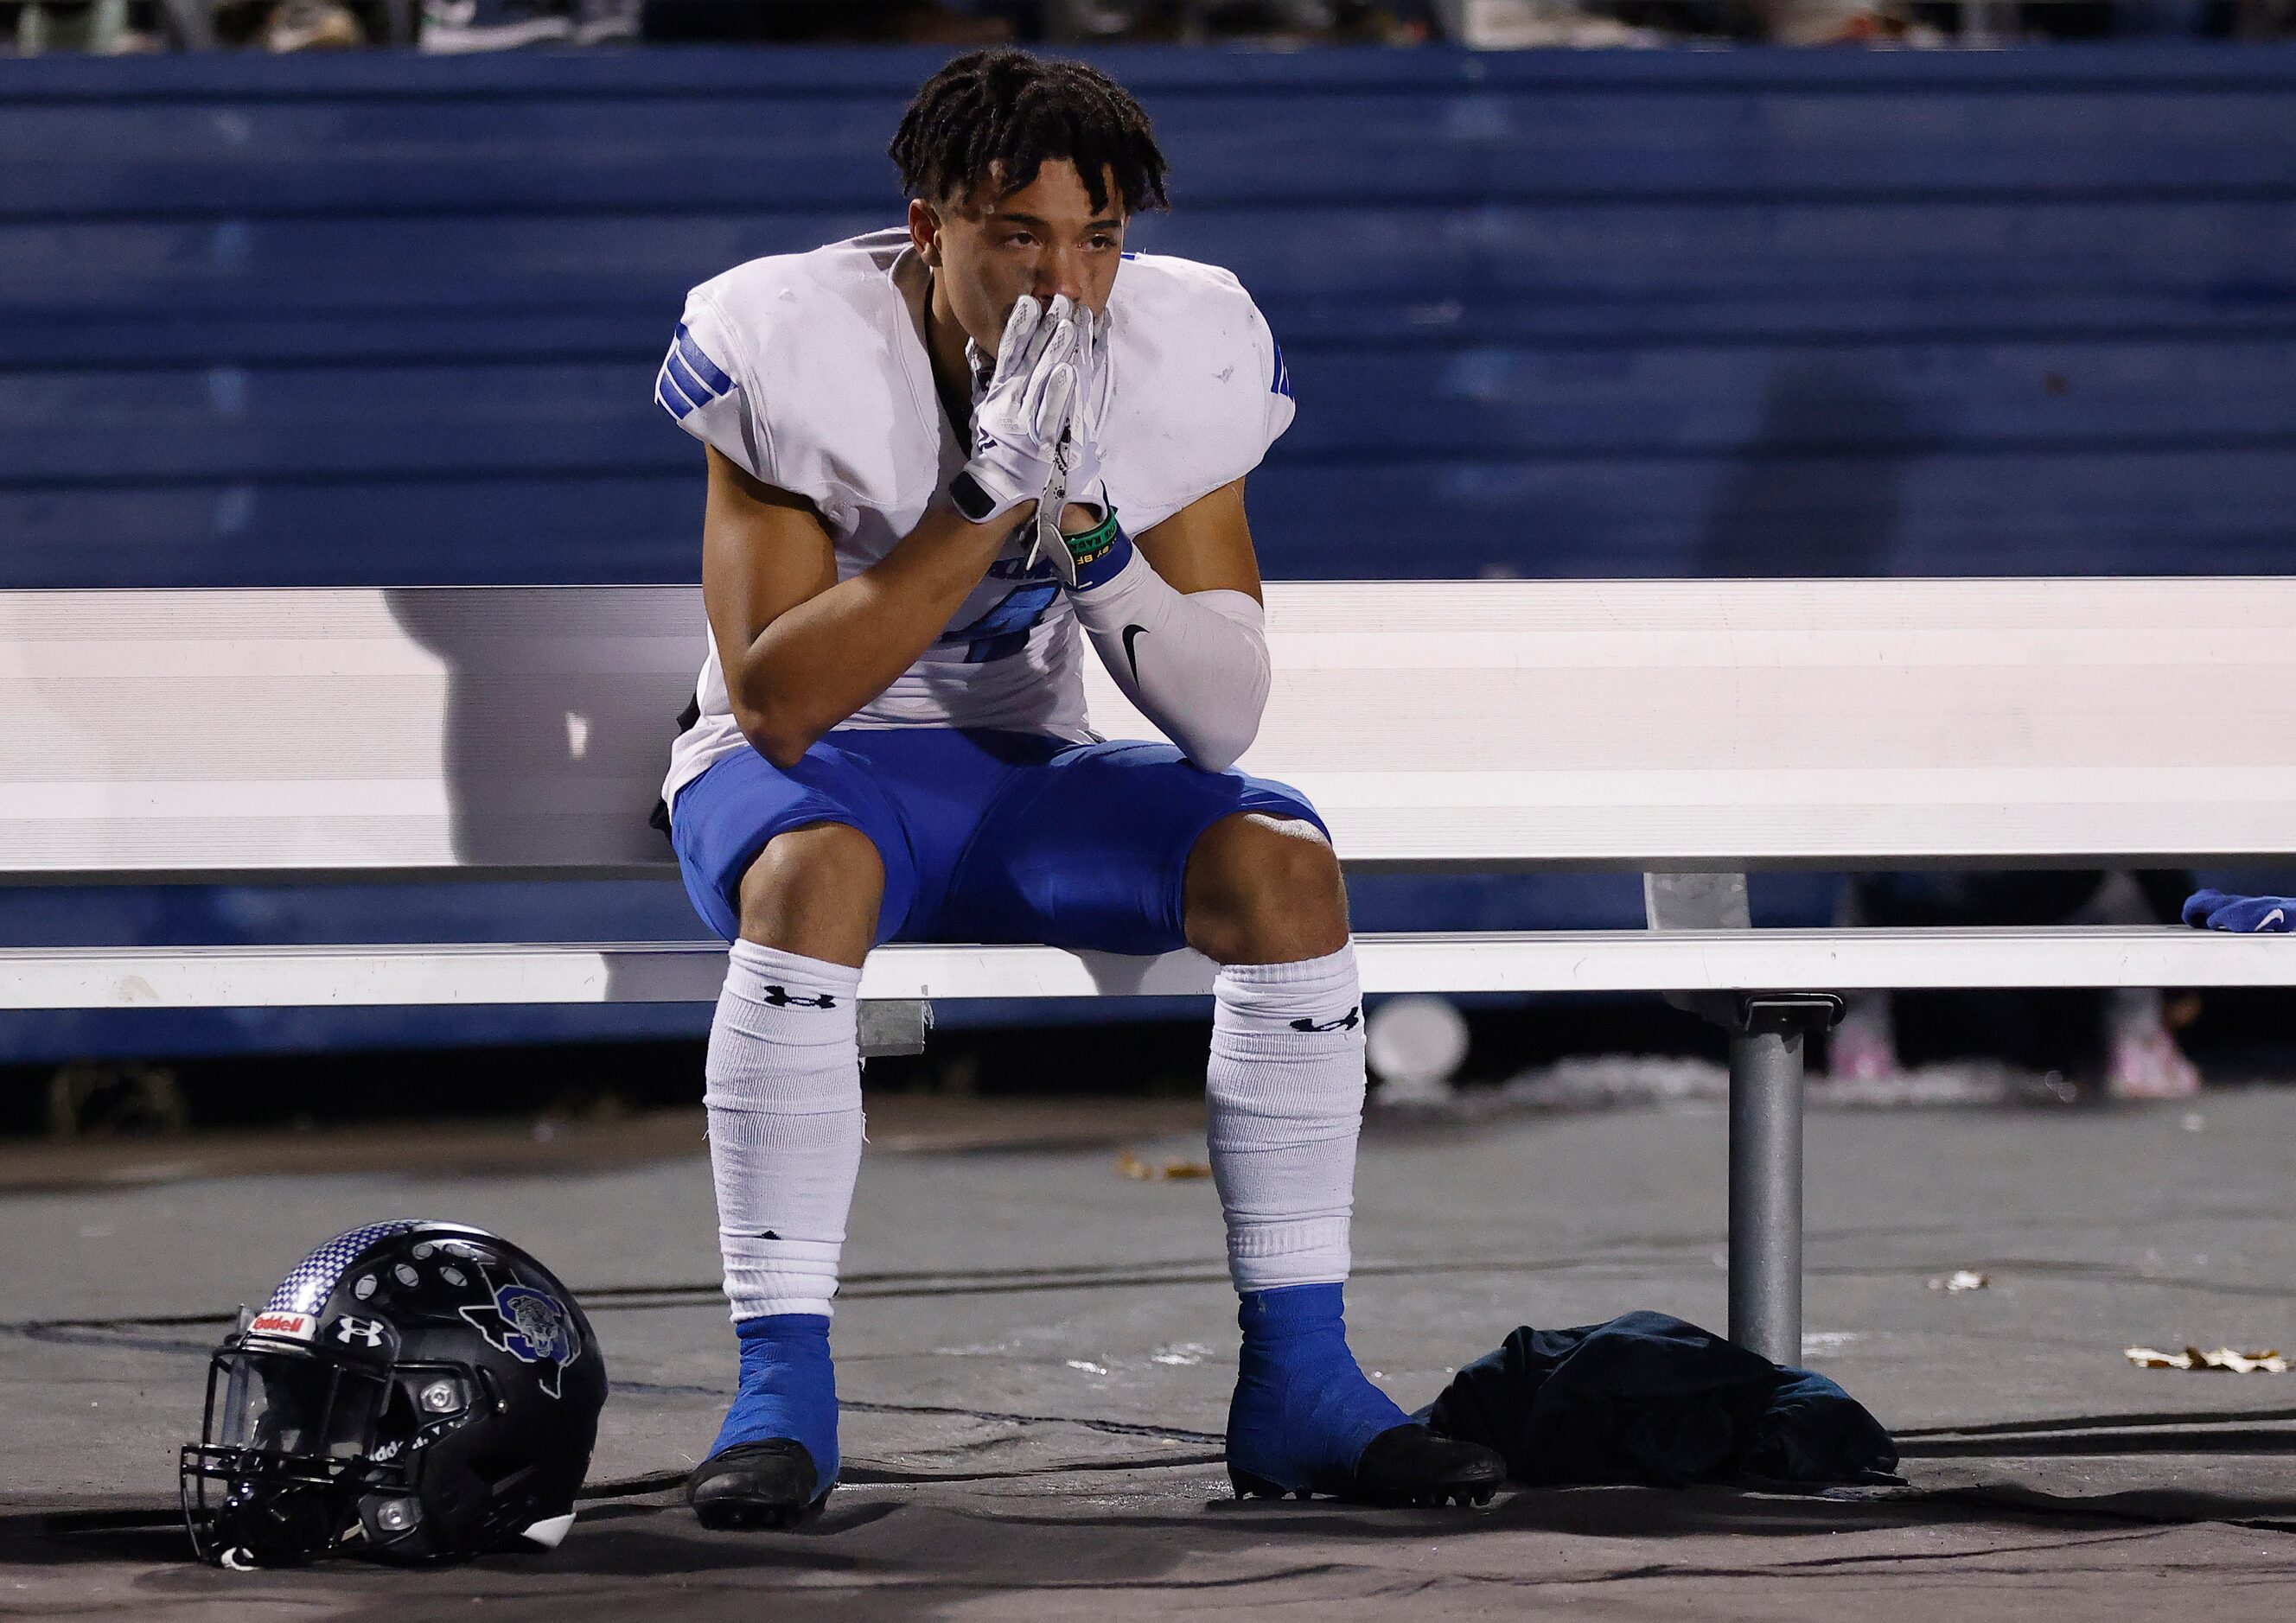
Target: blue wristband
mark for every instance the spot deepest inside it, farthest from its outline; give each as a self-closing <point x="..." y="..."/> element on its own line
<point x="1101" y="552"/>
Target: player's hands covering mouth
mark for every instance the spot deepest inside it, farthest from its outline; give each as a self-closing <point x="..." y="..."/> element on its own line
<point x="1096" y="386"/>
<point x="1017" y="422"/>
<point x="1078" y="479"/>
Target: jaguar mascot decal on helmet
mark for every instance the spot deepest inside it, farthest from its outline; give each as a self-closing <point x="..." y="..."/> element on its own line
<point x="426" y="1390"/>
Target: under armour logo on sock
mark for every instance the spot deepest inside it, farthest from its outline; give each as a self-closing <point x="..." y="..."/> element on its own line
<point x="1346" y="1022"/>
<point x="782" y="997"/>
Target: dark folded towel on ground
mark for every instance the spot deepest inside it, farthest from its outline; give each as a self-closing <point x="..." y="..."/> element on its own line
<point x="1650" y="1398"/>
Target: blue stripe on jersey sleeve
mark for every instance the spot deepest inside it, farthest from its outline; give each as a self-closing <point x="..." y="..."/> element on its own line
<point x="666" y="390"/>
<point x="688" y="385"/>
<point x="713" y="376"/>
<point x="1282" y="384"/>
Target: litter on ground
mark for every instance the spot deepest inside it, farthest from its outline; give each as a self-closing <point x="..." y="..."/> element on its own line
<point x="1131" y="1166"/>
<point x="2267" y="1363"/>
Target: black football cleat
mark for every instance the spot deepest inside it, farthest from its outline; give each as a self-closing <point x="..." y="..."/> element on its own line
<point x="770" y="1483"/>
<point x="1403" y="1465"/>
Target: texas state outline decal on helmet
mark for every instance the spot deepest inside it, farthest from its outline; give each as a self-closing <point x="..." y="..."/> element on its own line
<point x="532" y="1326"/>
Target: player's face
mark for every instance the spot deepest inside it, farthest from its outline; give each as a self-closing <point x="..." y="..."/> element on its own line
<point x="1044" y="239"/>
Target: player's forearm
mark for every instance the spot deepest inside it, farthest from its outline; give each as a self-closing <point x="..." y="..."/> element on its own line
<point x="821" y="661"/>
<point x="1194" y="663"/>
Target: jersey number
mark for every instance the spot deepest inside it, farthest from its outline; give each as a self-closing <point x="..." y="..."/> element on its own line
<point x="1004" y="629"/>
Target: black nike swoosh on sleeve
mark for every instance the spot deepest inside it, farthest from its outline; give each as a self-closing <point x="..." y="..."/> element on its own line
<point x="1130" y="658"/>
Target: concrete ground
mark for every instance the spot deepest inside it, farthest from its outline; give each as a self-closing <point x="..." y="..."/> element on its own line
<point x="1036" y="1354"/>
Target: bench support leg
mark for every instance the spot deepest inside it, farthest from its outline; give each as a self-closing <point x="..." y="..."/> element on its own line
<point x="1767" y="1030"/>
<point x="894" y="1026"/>
<point x="1765" y="1109"/>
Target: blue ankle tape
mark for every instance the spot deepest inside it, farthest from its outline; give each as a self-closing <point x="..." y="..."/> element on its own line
<point x="789" y="1389"/>
<point x="1303" y="1407"/>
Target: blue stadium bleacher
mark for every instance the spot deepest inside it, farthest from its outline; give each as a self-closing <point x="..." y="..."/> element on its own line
<point x="387" y="319"/>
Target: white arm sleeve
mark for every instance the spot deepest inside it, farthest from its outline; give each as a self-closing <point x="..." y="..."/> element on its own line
<point x="1196" y="664"/>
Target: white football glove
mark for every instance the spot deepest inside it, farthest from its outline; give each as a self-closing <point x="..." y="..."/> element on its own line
<point x="1095" y="389"/>
<point x="1079" y="477"/>
<point x="1017" y="423"/>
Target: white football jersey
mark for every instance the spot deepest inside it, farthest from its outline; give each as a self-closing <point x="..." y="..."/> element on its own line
<point x="810" y="371"/>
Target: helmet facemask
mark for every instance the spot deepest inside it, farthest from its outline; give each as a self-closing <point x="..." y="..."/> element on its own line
<point x="283" y="1455"/>
<point x="304" y="1448"/>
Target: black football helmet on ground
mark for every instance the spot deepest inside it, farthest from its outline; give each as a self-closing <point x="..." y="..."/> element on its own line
<point x="426" y="1389"/>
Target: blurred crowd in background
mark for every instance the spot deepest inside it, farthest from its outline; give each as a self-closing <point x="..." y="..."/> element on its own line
<point x="450" y="27"/>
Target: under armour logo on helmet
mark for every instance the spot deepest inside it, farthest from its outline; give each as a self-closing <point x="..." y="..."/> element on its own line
<point x="782" y="997"/>
<point x="1346" y="1022"/>
<point x="363" y="1332"/>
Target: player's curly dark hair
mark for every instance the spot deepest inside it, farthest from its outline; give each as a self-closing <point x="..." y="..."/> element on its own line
<point x="994" y="117"/>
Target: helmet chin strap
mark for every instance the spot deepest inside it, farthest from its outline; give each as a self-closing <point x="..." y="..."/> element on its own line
<point x="550" y="1532"/>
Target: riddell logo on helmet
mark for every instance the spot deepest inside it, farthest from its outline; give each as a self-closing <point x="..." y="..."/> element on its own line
<point x="293" y="1326"/>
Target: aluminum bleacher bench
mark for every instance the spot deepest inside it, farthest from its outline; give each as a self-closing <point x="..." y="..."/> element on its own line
<point x="1689" y="731"/>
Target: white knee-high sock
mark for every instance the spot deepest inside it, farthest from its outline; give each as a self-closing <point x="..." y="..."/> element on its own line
<point x="1286" y="1090"/>
<point x="784" y="1098"/>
